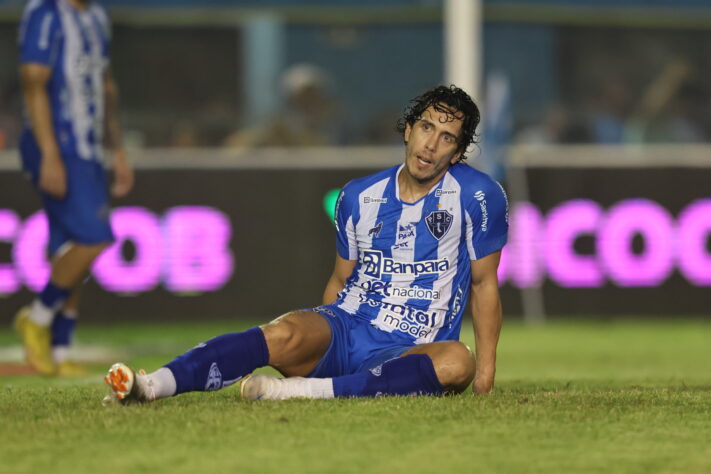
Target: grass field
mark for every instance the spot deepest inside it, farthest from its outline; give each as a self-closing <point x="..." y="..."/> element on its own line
<point x="626" y="396"/>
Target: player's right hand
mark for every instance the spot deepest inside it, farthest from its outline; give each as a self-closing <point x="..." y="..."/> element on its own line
<point x="53" y="177"/>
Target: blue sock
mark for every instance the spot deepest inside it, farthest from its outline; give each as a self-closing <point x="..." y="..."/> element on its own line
<point x="53" y="296"/>
<point x="219" y="362"/>
<point x="412" y="374"/>
<point x="62" y="329"/>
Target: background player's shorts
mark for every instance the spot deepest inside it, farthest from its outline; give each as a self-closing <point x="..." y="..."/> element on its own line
<point x="83" y="215"/>
<point x="356" y="345"/>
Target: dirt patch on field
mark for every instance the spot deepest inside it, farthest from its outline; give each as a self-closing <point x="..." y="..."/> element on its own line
<point x="7" y="369"/>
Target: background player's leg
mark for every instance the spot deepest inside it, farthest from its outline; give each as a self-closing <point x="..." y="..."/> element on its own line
<point x="293" y="344"/>
<point x="62" y="329"/>
<point x="69" y="268"/>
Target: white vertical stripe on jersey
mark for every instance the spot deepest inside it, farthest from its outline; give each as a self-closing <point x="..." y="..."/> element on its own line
<point x="368" y="217"/>
<point x="448" y="245"/>
<point x="352" y="241"/>
<point x="97" y="78"/>
<point x="43" y="41"/>
<point x="75" y="86"/>
<point x="470" y="235"/>
<point x="410" y="214"/>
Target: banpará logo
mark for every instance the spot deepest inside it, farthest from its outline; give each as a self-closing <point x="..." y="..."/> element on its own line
<point x="481" y="197"/>
<point x="387" y="289"/>
<point x="375" y="265"/>
<point x="443" y="192"/>
<point x="374" y="200"/>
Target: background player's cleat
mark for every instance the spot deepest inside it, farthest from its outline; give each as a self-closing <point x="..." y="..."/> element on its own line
<point x="69" y="368"/>
<point x="127" y="386"/>
<point x="265" y="387"/>
<point x="36" y="340"/>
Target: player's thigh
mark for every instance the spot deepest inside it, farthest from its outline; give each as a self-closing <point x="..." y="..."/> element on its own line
<point x="297" y="341"/>
<point x="453" y="362"/>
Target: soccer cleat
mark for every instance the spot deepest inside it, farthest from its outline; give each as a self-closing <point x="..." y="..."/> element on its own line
<point x="265" y="387"/>
<point x="71" y="369"/>
<point x="127" y="386"/>
<point x="36" y="340"/>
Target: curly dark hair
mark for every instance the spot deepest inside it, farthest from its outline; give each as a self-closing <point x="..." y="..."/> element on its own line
<point x="452" y="101"/>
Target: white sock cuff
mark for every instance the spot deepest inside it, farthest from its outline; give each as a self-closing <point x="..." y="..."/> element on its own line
<point x="163" y="382"/>
<point x="321" y="388"/>
<point x="40" y="314"/>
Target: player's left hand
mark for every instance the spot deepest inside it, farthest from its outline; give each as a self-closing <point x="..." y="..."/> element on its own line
<point x="123" y="175"/>
<point x="483" y="384"/>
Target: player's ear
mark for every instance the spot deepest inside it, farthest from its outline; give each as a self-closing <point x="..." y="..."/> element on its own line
<point x="456" y="158"/>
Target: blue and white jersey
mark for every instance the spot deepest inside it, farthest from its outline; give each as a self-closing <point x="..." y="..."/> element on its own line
<point x="75" y="45"/>
<point x="413" y="272"/>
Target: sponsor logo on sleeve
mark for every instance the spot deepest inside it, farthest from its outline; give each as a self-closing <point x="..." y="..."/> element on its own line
<point x="481" y="197"/>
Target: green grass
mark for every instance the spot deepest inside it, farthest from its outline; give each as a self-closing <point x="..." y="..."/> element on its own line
<point x="625" y="396"/>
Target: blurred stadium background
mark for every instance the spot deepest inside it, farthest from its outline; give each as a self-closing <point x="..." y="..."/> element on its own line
<point x="243" y="117"/>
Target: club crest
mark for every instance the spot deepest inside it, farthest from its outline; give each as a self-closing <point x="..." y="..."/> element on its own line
<point x="438" y="223"/>
<point x="214" y="378"/>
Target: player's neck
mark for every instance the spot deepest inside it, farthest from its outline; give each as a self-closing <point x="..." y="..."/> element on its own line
<point x="79" y="4"/>
<point x="411" y="189"/>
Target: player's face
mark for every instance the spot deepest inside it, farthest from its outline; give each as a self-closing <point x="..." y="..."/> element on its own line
<point x="432" y="143"/>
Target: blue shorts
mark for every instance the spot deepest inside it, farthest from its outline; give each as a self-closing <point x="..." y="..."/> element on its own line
<point x="356" y="345"/>
<point x="83" y="215"/>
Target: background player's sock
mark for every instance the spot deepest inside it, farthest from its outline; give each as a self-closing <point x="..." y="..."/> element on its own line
<point x="47" y="303"/>
<point x="412" y="374"/>
<point x="62" y="333"/>
<point x="219" y="362"/>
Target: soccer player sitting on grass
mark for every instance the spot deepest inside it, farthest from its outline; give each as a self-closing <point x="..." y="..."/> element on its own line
<point x="413" y="243"/>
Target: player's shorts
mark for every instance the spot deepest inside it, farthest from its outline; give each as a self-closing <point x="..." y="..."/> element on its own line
<point x="356" y="345"/>
<point x="83" y="215"/>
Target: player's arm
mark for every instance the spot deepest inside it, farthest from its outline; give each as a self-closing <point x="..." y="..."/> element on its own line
<point x="123" y="172"/>
<point x="52" y="175"/>
<point x="341" y="271"/>
<point x="486" y="315"/>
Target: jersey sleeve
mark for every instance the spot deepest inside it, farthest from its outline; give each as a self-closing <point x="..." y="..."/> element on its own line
<point x="346" y="243"/>
<point x="105" y="25"/>
<point x="39" y="35"/>
<point x="487" y="220"/>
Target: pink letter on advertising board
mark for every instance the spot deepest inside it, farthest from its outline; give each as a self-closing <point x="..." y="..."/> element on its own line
<point x="30" y="252"/>
<point x="566" y="223"/>
<point x="198" y="253"/>
<point x="523" y="265"/>
<point x="141" y="227"/>
<point x="694" y="232"/>
<point x="9" y="227"/>
<point x="654" y="224"/>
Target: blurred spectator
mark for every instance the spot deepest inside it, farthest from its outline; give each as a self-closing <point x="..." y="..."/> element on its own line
<point x="309" y="116"/>
<point x="558" y="126"/>
<point x="671" y="109"/>
<point x="609" y="109"/>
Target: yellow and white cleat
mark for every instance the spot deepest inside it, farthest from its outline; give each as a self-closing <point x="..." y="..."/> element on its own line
<point x="126" y="386"/>
<point x="37" y="342"/>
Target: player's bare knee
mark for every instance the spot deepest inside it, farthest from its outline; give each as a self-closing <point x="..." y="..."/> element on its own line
<point x="283" y="336"/>
<point x="455" y="366"/>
